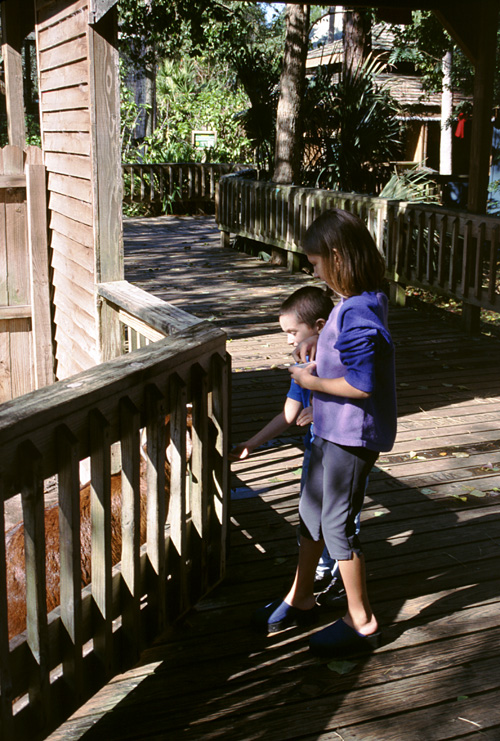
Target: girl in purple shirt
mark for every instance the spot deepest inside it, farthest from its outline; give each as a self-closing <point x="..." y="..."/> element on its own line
<point x="354" y="412"/>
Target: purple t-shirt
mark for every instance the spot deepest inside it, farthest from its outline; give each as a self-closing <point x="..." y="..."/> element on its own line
<point x="355" y="343"/>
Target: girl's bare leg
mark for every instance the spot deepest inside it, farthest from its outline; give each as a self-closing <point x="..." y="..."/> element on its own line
<point x="301" y="595"/>
<point x="359" y="612"/>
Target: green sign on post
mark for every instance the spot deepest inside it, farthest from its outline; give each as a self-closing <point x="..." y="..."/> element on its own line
<point x="204" y="139"/>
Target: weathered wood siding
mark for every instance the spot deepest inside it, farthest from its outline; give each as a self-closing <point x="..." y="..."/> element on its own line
<point x="71" y="124"/>
<point x="16" y="361"/>
<point x="25" y="327"/>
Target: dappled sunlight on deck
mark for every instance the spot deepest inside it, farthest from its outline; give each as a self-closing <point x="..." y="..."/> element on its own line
<point x="430" y="529"/>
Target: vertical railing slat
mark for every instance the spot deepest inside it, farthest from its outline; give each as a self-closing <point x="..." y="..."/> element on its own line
<point x="199" y="467"/>
<point x="156" y="509"/>
<point x="6" y="725"/>
<point x="177" y="506"/>
<point x="493" y="263"/>
<point x="100" y="507"/>
<point x="36" y="606"/>
<point x="69" y="539"/>
<point x="131" y="526"/>
<point x="218" y="410"/>
<point x="478" y="263"/>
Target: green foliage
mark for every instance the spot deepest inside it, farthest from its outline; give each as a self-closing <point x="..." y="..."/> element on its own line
<point x="191" y="96"/>
<point x="159" y="29"/>
<point x="258" y="71"/>
<point x="352" y="128"/>
<point x="32" y="131"/>
<point x="424" y="43"/>
<point x="415" y="184"/>
<point x="217" y="66"/>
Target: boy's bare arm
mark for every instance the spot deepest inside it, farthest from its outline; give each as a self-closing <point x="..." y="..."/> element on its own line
<point x="274" y="428"/>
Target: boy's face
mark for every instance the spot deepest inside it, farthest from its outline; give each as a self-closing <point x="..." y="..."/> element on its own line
<point x="295" y="330"/>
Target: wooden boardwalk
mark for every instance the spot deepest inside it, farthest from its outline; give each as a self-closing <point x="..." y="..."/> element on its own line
<point x="430" y="526"/>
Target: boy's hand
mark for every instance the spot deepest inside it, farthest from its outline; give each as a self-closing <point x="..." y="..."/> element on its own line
<point x="305" y="417"/>
<point x="306" y="350"/>
<point x="239" y="452"/>
<point x="301" y="373"/>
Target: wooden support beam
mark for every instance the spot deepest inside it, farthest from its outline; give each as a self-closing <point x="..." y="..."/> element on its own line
<point x="12" y="39"/>
<point x="41" y="321"/>
<point x="107" y="178"/>
<point x="486" y="16"/>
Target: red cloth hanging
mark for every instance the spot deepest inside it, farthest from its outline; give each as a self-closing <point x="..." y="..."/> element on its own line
<point x="460" y="130"/>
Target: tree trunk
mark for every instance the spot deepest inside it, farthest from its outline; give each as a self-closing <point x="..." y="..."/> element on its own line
<point x="357" y="38"/>
<point x="288" y="151"/>
<point x="445" y="150"/>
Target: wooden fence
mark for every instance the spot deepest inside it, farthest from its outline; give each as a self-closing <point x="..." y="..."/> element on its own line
<point x="26" y="360"/>
<point x="50" y="669"/>
<point x="451" y="252"/>
<point x="186" y="183"/>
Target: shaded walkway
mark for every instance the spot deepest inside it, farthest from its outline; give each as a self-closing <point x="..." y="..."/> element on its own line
<point x="431" y="529"/>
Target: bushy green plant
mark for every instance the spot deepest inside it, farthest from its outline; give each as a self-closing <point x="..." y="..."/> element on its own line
<point x="259" y="72"/>
<point x="415" y="184"/>
<point x="352" y="127"/>
<point x="191" y="95"/>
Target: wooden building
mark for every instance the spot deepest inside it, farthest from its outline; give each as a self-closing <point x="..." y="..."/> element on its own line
<point x="77" y="62"/>
<point x="422" y="109"/>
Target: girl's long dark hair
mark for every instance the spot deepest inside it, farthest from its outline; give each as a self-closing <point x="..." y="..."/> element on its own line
<point x="351" y="258"/>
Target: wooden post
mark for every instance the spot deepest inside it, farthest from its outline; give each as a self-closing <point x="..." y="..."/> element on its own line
<point x="293" y="261"/>
<point x="39" y="274"/>
<point x="487" y="17"/>
<point x="13" y="32"/>
<point x="105" y="117"/>
<point x="16" y="289"/>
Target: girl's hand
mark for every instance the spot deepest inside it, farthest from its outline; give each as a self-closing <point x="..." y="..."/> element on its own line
<point x="239" y="452"/>
<point x="305" y="417"/>
<point x="306" y="350"/>
<point x="302" y="372"/>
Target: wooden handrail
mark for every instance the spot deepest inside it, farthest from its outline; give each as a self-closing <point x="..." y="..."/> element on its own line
<point x="186" y="182"/>
<point x="99" y="630"/>
<point x="166" y="318"/>
<point x="448" y="251"/>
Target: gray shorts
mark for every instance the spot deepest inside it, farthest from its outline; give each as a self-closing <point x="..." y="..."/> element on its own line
<point x="333" y="495"/>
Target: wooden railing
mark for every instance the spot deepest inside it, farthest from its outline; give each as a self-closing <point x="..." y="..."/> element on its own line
<point x="168" y="183"/>
<point x="452" y="252"/>
<point x="50" y="669"/>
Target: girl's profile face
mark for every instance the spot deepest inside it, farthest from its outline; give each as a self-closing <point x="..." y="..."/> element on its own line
<point x="320" y="269"/>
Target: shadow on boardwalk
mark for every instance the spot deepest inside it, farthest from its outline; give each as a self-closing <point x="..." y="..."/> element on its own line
<point x="430" y="528"/>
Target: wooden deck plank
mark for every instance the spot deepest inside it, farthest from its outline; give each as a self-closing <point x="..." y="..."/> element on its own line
<point x="430" y="526"/>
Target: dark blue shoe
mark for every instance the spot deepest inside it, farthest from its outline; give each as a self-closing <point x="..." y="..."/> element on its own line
<point x="279" y="615"/>
<point x="339" y="640"/>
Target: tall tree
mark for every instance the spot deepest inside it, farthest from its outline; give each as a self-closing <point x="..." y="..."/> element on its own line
<point x="357" y="37"/>
<point x="288" y="152"/>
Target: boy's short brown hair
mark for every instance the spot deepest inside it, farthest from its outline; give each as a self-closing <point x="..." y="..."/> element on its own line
<point x="309" y="303"/>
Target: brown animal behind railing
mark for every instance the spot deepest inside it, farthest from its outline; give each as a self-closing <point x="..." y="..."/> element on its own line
<point x="14" y="542"/>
